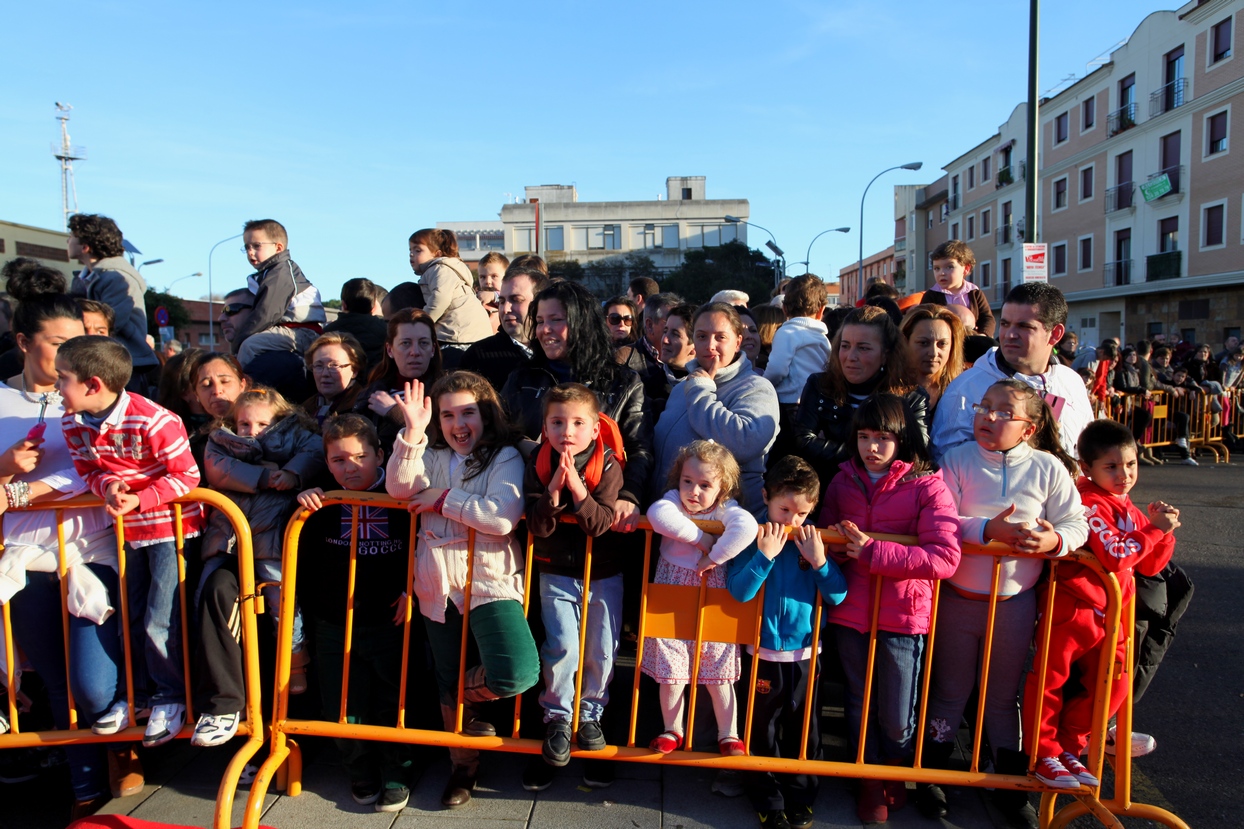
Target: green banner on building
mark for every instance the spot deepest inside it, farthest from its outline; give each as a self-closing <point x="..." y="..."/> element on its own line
<point x="1156" y="188"/>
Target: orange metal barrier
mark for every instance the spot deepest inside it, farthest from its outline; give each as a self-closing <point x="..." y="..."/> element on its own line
<point x="78" y="734"/>
<point x="702" y="614"/>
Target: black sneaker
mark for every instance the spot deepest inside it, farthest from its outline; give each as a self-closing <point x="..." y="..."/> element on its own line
<point x="538" y="775"/>
<point x="365" y="792"/>
<point x="931" y="800"/>
<point x="394" y="798"/>
<point x="598" y="774"/>
<point x="800" y="817"/>
<point x="775" y="819"/>
<point x="590" y="737"/>
<point x="557" y="743"/>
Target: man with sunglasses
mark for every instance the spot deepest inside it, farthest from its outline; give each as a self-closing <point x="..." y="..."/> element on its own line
<point x="284" y="371"/>
<point x="1033" y="321"/>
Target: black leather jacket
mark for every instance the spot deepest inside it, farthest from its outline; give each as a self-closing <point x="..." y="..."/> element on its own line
<point x="624" y="401"/>
<point x="823" y="426"/>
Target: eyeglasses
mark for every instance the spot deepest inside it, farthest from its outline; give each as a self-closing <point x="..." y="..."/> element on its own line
<point x="618" y="319"/>
<point x="255" y="246"/>
<point x="321" y="368"/>
<point x="235" y="308"/>
<point x="1002" y="417"/>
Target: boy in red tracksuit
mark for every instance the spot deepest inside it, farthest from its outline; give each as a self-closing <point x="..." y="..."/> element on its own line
<point x="1125" y="540"/>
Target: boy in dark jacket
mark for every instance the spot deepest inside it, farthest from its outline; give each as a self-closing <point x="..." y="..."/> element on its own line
<point x="287" y="314"/>
<point x="378" y="771"/>
<point x="574" y="473"/>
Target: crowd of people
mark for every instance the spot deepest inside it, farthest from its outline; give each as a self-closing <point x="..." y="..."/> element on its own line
<point x="497" y="404"/>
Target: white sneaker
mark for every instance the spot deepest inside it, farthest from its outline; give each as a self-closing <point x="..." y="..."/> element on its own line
<point x="215" y="729"/>
<point x="165" y="723"/>
<point x="117" y="717"/>
<point x="1189" y="461"/>
<point x="1142" y="744"/>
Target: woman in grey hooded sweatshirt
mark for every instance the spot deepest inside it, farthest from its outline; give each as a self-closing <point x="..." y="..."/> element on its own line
<point x="722" y="400"/>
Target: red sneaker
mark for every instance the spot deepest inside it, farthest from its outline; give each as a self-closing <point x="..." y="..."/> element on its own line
<point x="1052" y="772"/>
<point x="1072" y="764"/>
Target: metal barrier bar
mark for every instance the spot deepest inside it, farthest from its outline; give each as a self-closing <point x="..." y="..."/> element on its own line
<point x="466" y="627"/>
<point x="284" y="749"/>
<point x="406" y="622"/>
<point x="985" y="659"/>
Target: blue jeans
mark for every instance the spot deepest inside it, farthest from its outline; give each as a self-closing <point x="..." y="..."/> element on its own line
<point x="892" y="709"/>
<point x="96" y="662"/>
<point x="266" y="570"/>
<point x="155" y="623"/>
<point x="561" y="605"/>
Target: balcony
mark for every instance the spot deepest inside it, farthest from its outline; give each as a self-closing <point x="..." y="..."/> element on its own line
<point x="1122" y="119"/>
<point x="1005" y="176"/>
<point x="1117" y="273"/>
<point x="900" y="278"/>
<point x="1003" y="234"/>
<point x="1163" y="265"/>
<point x="1173" y="174"/>
<point x="1168" y="97"/>
<point x="900" y="245"/>
<point x="1121" y="197"/>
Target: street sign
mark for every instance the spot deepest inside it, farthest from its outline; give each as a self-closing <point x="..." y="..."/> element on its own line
<point x="167" y="334"/>
<point x="1035" y="267"/>
<point x="1156" y="188"/>
<point x="161" y="316"/>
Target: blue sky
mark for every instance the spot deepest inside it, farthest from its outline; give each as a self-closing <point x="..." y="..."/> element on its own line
<point x="356" y="126"/>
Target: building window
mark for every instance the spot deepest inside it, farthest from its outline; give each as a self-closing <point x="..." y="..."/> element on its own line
<point x="1060" y="260"/>
<point x="598" y="237"/>
<point x="986" y="163"/>
<point x="1086" y="183"/>
<point x="686" y="194"/>
<point x="524" y="239"/>
<point x="554" y="238"/>
<point x="1168" y="235"/>
<point x="984" y="222"/>
<point x="1060" y="193"/>
<point x="954" y="231"/>
<point x="971" y="177"/>
<point x="1153" y="331"/>
<point x="708" y="236"/>
<point x="1214" y="226"/>
<point x="1086" y="253"/>
<point x="1060" y="128"/>
<point x="985" y="275"/>
<point x="655" y="237"/>
<point x="1216" y="133"/>
<point x="971" y="228"/>
<point x="1088" y="114"/>
<point x="1221" y="41"/>
<point x="206" y="340"/>
<point x="1006" y="275"/>
<point x="930" y="221"/>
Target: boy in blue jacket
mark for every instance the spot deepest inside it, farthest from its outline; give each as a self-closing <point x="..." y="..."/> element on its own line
<point x="791" y="571"/>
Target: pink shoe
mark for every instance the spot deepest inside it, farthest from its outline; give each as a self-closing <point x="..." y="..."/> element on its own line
<point x="732" y="747"/>
<point x="665" y="742"/>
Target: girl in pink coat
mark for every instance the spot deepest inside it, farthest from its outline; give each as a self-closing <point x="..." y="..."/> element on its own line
<point x="888" y="486"/>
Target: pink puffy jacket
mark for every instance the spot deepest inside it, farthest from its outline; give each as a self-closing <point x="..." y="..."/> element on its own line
<point x="902" y="503"/>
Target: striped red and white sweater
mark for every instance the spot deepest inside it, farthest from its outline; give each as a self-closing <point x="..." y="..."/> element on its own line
<point x="146" y="446"/>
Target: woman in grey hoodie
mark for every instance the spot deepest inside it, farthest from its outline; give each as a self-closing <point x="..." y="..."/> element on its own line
<point x="448" y="293"/>
<point x="722" y="400"/>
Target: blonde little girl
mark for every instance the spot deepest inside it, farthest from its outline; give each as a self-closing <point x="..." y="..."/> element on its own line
<point x="703" y="483"/>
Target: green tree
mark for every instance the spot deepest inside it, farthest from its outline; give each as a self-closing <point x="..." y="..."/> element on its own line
<point x="332" y="303"/>
<point x="178" y="316"/>
<point x="569" y="269"/>
<point x="705" y="271"/>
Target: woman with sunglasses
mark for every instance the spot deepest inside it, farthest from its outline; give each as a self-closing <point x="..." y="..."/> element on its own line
<point x="622" y="317"/>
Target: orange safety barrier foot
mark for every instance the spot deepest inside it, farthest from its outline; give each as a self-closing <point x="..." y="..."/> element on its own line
<point x="293" y="770"/>
<point x="259" y="788"/>
<point x="229" y="782"/>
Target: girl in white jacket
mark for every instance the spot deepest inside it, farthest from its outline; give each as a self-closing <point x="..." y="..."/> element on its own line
<point x="702" y="485"/>
<point x="468" y="477"/>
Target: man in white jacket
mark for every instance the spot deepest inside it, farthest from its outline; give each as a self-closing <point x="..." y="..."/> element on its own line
<point x="1034" y="319"/>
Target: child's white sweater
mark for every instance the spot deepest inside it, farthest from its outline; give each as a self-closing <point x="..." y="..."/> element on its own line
<point x="680" y="535"/>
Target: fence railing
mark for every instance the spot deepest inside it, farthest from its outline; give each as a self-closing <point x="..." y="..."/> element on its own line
<point x="701" y="614"/>
<point x="1205" y="420"/>
<point x="80" y="733"/>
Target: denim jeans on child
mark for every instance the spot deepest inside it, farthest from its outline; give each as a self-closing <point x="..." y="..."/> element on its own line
<point x="152" y="581"/>
<point x="561" y="605"/>
<point x="892" y="709"/>
<point x="96" y="662"/>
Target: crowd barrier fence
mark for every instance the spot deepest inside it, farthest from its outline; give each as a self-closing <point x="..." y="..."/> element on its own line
<point x="80" y="733"/>
<point x="700" y="614"/>
<point x="1207" y="421"/>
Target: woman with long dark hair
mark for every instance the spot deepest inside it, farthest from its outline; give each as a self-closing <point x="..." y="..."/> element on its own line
<point x="411" y="352"/>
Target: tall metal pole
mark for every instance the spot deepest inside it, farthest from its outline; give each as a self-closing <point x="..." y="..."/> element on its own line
<point x="1031" y="184"/>
<point x="914" y="165"/>
<point x="211" y="318"/>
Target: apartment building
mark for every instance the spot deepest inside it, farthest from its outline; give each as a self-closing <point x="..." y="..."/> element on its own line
<point x="48" y="246"/>
<point x="878" y="266"/>
<point x="1140" y="201"/>
<point x="555" y="224"/>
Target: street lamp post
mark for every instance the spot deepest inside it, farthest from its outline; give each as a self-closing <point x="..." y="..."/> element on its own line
<point x="807" y="257"/>
<point x="211" y="318"/>
<point x="779" y="264"/>
<point x="149" y="262"/>
<point x="169" y="289"/>
<point x="915" y="165"/>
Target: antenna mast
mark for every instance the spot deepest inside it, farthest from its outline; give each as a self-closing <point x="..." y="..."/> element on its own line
<point x="67" y="154"/>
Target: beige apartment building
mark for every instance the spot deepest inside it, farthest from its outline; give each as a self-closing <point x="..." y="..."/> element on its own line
<point x="1141" y="192"/>
<point x="880" y="266"/>
<point x="48" y="246"/>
